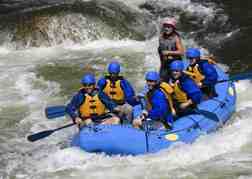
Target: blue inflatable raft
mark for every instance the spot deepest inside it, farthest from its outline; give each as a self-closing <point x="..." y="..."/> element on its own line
<point x="126" y="140"/>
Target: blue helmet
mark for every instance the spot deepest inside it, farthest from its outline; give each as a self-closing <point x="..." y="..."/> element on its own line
<point x="152" y="75"/>
<point x="177" y="65"/>
<point x="88" y="79"/>
<point x="114" y="67"/>
<point x="192" y="53"/>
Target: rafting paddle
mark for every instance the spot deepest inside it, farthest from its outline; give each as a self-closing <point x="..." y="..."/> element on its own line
<point x="43" y="134"/>
<point x="55" y="111"/>
<point x="146" y="131"/>
<point x="237" y="77"/>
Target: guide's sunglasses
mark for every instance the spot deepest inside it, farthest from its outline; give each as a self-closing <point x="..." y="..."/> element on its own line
<point x="151" y="81"/>
<point x="114" y="74"/>
<point x="167" y="26"/>
<point x="88" y="85"/>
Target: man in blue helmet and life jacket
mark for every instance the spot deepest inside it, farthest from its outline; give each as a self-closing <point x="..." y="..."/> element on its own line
<point x="91" y="105"/>
<point x="159" y="105"/>
<point x="170" y="47"/>
<point x="186" y="94"/>
<point x="119" y="90"/>
<point x="202" y="71"/>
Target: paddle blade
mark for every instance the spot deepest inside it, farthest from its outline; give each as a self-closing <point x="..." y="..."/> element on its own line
<point x="243" y="76"/>
<point x="40" y="135"/>
<point x="55" y="111"/>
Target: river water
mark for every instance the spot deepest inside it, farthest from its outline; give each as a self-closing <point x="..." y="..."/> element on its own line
<point x="45" y="51"/>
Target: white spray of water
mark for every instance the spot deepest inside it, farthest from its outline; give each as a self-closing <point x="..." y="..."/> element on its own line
<point x="4" y="50"/>
<point x="189" y="7"/>
<point x="106" y="44"/>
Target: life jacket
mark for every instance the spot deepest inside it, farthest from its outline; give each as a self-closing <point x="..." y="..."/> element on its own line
<point x="114" y="90"/>
<point x="179" y="95"/>
<point x="167" y="90"/>
<point x="195" y="73"/>
<point x="170" y="45"/>
<point x="92" y="106"/>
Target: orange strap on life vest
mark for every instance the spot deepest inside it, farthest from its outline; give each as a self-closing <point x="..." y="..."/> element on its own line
<point x="195" y="73"/>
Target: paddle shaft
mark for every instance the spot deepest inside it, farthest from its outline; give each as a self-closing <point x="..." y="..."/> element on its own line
<point x="222" y="81"/>
<point x="147" y="135"/>
<point x="43" y="134"/>
<point x="63" y="127"/>
<point x="237" y="77"/>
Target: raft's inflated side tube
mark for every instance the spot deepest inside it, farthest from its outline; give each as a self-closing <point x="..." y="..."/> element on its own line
<point x="125" y="140"/>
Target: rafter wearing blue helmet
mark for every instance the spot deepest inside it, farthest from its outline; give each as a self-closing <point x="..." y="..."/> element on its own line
<point x="202" y="72"/>
<point x="158" y="106"/>
<point x="90" y="105"/>
<point x="186" y="92"/>
<point x="118" y="89"/>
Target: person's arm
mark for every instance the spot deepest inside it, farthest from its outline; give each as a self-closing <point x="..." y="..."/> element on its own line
<point x="101" y="83"/>
<point x="159" y="106"/>
<point x="141" y="97"/>
<point x="210" y="73"/>
<point x="129" y="93"/>
<point x="107" y="101"/>
<point x="192" y="90"/>
<point x="74" y="105"/>
<point x="180" y="48"/>
<point x="143" y="92"/>
<point x="195" y="97"/>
